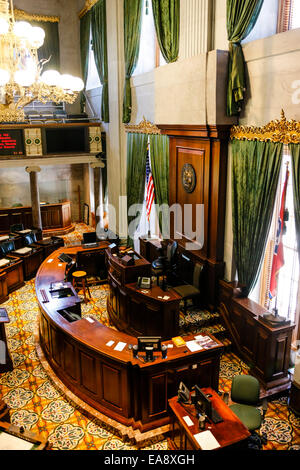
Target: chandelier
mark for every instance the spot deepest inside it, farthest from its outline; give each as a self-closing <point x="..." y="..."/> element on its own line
<point x="22" y="79"/>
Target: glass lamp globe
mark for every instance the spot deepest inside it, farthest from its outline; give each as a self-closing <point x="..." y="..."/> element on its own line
<point x="4" y="77"/>
<point x="24" y="77"/>
<point x="4" y="26"/>
<point x="65" y="81"/>
<point x="22" y="29"/>
<point x="51" y="77"/>
<point x="37" y="37"/>
<point x="76" y="84"/>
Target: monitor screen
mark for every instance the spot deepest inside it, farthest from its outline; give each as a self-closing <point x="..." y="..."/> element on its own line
<point x="202" y="402"/>
<point x="89" y="237"/>
<point x="66" y="140"/>
<point x="65" y="258"/>
<point x="11" y="142"/>
<point x="145" y="342"/>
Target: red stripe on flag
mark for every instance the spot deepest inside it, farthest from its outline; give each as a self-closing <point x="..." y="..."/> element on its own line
<point x="278" y="258"/>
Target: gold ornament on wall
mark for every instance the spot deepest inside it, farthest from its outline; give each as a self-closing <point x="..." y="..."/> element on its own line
<point x="144" y="127"/>
<point x="284" y="131"/>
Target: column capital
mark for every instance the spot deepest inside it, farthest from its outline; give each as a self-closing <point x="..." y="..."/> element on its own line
<point x="31" y="169"/>
<point x="99" y="164"/>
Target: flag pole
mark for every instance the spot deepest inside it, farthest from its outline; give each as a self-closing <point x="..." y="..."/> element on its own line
<point x="274" y="318"/>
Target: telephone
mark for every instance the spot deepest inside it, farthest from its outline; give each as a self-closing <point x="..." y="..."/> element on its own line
<point x="144" y="282"/>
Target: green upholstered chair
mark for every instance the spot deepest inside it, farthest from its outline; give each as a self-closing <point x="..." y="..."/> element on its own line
<point x="245" y="393"/>
<point x="188" y="291"/>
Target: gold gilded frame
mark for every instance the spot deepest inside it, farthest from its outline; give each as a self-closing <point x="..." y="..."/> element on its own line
<point x="284" y="131"/>
<point x="144" y="127"/>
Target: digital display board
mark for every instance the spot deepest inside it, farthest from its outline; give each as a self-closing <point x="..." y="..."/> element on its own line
<point x="67" y="140"/>
<point x="11" y="142"/>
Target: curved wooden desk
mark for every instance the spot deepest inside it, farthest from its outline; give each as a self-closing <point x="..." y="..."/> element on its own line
<point x="113" y="382"/>
<point x="140" y="312"/>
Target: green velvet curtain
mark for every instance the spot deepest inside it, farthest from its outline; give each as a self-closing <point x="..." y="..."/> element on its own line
<point x="85" y="23"/>
<point x="159" y="152"/>
<point x="241" y="18"/>
<point x="295" y="151"/>
<point x="51" y="44"/>
<point x="132" y="35"/>
<point x="99" y="35"/>
<point x="136" y="173"/>
<point x="255" y="172"/>
<point x="166" y="19"/>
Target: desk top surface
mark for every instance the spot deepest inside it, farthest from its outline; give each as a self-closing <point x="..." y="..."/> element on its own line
<point x="230" y="431"/>
<point x="90" y="332"/>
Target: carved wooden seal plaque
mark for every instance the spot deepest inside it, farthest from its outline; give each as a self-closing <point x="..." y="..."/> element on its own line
<point x="188" y="177"/>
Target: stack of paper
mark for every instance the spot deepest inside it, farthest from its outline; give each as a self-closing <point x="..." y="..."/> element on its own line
<point x="206" y="440"/>
<point x="23" y="251"/>
<point x="4" y="262"/>
<point x="3" y="238"/>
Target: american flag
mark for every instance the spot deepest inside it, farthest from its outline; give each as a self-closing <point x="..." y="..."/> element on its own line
<point x="150" y="186"/>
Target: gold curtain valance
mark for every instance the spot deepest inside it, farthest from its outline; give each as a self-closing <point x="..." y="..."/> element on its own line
<point x="284" y="131"/>
<point x="88" y="5"/>
<point x="144" y="127"/>
<point x="23" y="15"/>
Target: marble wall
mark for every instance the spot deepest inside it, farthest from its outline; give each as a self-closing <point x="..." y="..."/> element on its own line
<point x="55" y="184"/>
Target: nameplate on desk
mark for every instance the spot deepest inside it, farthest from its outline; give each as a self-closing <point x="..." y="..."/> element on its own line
<point x="110" y="343"/>
<point x="90" y="320"/>
<point x="120" y="346"/>
<point x="188" y="421"/>
<point x="50" y="260"/>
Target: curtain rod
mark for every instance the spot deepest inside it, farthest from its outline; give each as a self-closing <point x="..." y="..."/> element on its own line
<point x="284" y="131"/>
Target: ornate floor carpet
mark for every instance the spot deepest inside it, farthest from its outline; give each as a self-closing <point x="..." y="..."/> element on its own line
<point x="38" y="405"/>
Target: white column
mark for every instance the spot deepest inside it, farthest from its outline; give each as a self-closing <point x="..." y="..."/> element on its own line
<point x="115" y="131"/>
<point x="196" y="21"/>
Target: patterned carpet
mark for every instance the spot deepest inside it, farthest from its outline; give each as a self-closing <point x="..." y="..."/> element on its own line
<point x="37" y="404"/>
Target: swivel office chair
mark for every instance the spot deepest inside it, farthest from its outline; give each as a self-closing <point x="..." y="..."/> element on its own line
<point x="15" y="228"/>
<point x="188" y="291"/>
<point x="6" y="248"/>
<point x="245" y="393"/>
<point x="30" y="240"/>
<point x="164" y="265"/>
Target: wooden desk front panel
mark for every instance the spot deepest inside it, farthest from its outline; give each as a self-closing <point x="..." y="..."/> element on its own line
<point x="14" y="276"/>
<point x="54" y="216"/>
<point x="99" y="380"/>
<point x="3" y="287"/>
<point x="140" y="315"/>
<point x="160" y="383"/>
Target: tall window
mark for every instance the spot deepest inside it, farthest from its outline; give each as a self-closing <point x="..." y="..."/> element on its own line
<point x="93" y="80"/>
<point x="288" y="279"/>
<point x="149" y="55"/>
<point x="289" y="15"/>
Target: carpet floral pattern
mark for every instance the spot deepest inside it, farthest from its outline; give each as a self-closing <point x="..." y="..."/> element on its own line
<point x="38" y="405"/>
